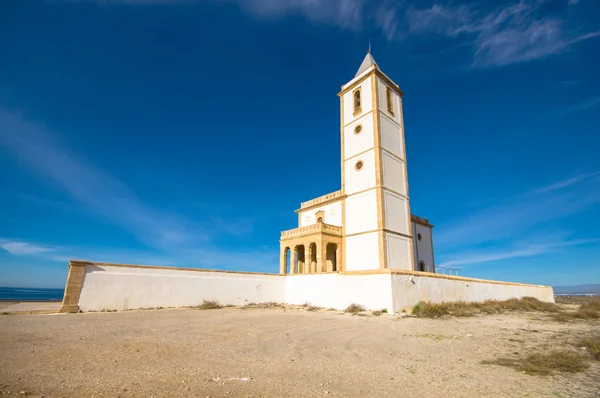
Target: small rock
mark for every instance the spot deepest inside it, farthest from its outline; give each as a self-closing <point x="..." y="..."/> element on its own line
<point x="469" y="335"/>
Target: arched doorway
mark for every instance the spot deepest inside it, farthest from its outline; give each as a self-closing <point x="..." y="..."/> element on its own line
<point x="300" y="259"/>
<point x="422" y="266"/>
<point x="331" y="257"/>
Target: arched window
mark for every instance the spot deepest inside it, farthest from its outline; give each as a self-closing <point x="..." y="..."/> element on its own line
<point x="422" y="266"/>
<point x="390" y="101"/>
<point x="357" y="103"/>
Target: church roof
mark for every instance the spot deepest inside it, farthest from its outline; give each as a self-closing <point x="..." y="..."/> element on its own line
<point x="366" y="64"/>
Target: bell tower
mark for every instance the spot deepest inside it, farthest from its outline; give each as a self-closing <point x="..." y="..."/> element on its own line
<point x="376" y="211"/>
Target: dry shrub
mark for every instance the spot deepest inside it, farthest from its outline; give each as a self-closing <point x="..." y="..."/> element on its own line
<point x="576" y="299"/>
<point x="426" y="309"/>
<point x="585" y="311"/>
<point x="545" y="363"/>
<point x="312" y="308"/>
<point x="592" y="305"/>
<point x="592" y="345"/>
<point x="464" y="309"/>
<point x="560" y="361"/>
<point x="354" y="309"/>
<point x="270" y="304"/>
<point x="209" y="305"/>
<point x="376" y="313"/>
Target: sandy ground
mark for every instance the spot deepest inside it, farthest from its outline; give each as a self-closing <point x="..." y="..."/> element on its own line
<point x="30" y="307"/>
<point x="278" y="353"/>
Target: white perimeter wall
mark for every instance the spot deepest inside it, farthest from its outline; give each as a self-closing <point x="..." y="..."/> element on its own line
<point x="339" y="291"/>
<point x="123" y="288"/>
<point x="408" y="290"/>
<point x="333" y="215"/>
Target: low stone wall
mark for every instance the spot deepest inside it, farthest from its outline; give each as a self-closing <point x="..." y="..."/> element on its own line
<point x="337" y="290"/>
<point x="101" y="286"/>
<point x="410" y="288"/>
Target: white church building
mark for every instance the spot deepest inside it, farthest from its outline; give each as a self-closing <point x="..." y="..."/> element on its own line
<point x="358" y="245"/>
<point x="367" y="224"/>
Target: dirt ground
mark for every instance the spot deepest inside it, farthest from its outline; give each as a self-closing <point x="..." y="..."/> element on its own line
<point x="282" y="352"/>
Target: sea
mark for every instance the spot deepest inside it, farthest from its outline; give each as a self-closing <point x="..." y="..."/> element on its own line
<point x="30" y="294"/>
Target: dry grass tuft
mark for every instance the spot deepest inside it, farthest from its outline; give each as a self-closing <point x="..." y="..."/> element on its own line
<point x="312" y="308"/>
<point x="545" y="363"/>
<point x="463" y="309"/>
<point x="270" y="304"/>
<point x="592" y="345"/>
<point x="576" y="299"/>
<point x="354" y="309"/>
<point x="209" y="305"/>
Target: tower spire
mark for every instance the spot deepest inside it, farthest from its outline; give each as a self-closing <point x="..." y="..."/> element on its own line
<point x="369" y="52"/>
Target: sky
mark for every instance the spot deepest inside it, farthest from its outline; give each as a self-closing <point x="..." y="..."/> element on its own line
<point x="186" y="133"/>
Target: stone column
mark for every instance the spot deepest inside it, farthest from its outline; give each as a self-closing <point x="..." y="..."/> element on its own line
<point x="308" y="258"/>
<point x="293" y="260"/>
<point x="338" y="255"/>
<point x="282" y="259"/>
<point x="319" y="245"/>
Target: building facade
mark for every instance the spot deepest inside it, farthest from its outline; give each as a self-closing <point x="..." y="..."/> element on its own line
<point x="367" y="224"/>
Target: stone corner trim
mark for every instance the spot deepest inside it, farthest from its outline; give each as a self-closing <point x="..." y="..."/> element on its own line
<point x="74" y="286"/>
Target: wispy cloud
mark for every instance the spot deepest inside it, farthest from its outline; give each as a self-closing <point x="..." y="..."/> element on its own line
<point x="167" y="235"/>
<point x="512" y="216"/>
<point x="19" y="248"/>
<point x="490" y="255"/>
<point x="92" y="187"/>
<point x="579" y="107"/>
<point x="565" y="183"/>
<point x="514" y="32"/>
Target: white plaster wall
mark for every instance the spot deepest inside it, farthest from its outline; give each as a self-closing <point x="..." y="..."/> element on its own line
<point x="357" y="143"/>
<point x="361" y="212"/>
<point x="362" y="252"/>
<point x="396" y="213"/>
<point x="393" y="173"/>
<point x="359" y="180"/>
<point x="423" y="247"/>
<point x="399" y="255"/>
<point x="123" y="288"/>
<point x="408" y="290"/>
<point x="396" y="99"/>
<point x="392" y="139"/>
<point x="333" y="215"/>
<point x="339" y="291"/>
<point x="366" y="101"/>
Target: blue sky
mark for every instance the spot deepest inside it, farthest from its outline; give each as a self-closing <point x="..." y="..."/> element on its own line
<point x="186" y="132"/>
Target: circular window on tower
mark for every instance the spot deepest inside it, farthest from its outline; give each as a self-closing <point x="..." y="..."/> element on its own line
<point x="359" y="165"/>
<point x="419" y="237"/>
<point x="358" y="129"/>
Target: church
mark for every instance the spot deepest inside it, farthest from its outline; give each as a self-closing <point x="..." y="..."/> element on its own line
<point x="367" y="224"/>
<point x="357" y="245"/>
